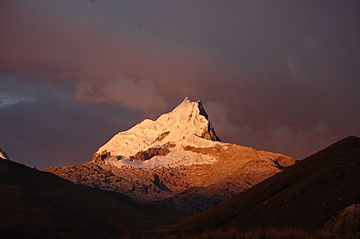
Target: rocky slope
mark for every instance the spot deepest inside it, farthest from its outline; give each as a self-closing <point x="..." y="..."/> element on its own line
<point x="177" y="158"/>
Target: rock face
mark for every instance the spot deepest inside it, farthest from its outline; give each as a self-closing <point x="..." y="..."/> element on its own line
<point x="151" y="152"/>
<point x="177" y="158"/>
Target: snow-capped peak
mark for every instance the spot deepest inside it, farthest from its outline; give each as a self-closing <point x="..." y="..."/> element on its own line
<point x="160" y="142"/>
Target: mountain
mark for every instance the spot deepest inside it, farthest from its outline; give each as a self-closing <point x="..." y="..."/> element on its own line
<point x="318" y="192"/>
<point x="35" y="204"/>
<point x="177" y="158"/>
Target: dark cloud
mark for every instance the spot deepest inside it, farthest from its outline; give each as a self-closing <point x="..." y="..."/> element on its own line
<point x="52" y="129"/>
<point x="278" y="75"/>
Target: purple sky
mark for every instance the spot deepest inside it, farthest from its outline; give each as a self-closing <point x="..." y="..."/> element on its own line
<point x="276" y="75"/>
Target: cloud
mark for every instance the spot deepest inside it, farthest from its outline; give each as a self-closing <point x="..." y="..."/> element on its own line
<point x="141" y="95"/>
<point x="54" y="129"/>
<point x="294" y="138"/>
<point x="272" y="75"/>
<point x="289" y="139"/>
<point x="6" y="100"/>
<point x="13" y="92"/>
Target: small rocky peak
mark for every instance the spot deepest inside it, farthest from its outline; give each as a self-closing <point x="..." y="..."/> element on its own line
<point x="3" y="155"/>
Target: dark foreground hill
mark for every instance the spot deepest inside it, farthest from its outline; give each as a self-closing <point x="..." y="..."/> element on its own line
<point x="34" y="204"/>
<point x="321" y="192"/>
<point x="307" y="196"/>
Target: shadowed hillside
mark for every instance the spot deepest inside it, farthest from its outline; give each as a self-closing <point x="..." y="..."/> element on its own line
<point x="35" y="204"/>
<point x="306" y="196"/>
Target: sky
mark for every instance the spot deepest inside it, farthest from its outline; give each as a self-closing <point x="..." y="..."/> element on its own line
<point x="282" y="76"/>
